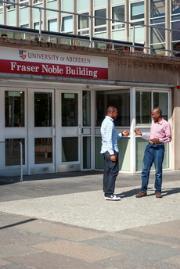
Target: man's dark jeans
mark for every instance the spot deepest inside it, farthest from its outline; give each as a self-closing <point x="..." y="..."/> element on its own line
<point x="111" y="170"/>
<point x="153" y="154"/>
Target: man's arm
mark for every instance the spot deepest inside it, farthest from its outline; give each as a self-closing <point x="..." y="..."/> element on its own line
<point x="168" y="136"/>
<point x="106" y="132"/>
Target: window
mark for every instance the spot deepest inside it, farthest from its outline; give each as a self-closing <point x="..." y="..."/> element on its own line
<point x="43" y="150"/>
<point x="14" y="109"/>
<point x="143" y="107"/>
<point x="83" y="21"/>
<point x="175" y="6"/>
<point x="13" y="151"/>
<point x="67" y="24"/>
<point x="86" y="99"/>
<point x="52" y="25"/>
<point x="157" y="8"/>
<point x="119" y="99"/>
<point x="137" y="10"/>
<point x="10" y="5"/>
<point x="69" y="149"/>
<point x="118" y="14"/>
<point x="100" y="19"/>
<point x="43" y="109"/>
<point x="36" y="25"/>
<point x="69" y="104"/>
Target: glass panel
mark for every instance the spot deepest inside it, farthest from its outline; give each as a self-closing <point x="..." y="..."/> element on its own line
<point x="118" y="15"/>
<point x="52" y="25"/>
<point x="157" y="8"/>
<point x="86" y="152"/>
<point x="140" y="148"/>
<point x="36" y="25"/>
<point x="99" y="162"/>
<point x="86" y="108"/>
<point x="14" y="109"/>
<point x="43" y="109"/>
<point x="67" y="5"/>
<point x="12" y="151"/>
<point x="67" y="24"/>
<point x="158" y="33"/>
<point x="137" y="10"/>
<point x="176" y="30"/>
<point x="82" y="5"/>
<point x="43" y="150"/>
<point x="175" y="6"/>
<point x="161" y="100"/>
<point x="83" y="21"/>
<point x="124" y="154"/>
<point x="100" y="4"/>
<point x="143" y="107"/>
<point x="69" y="104"/>
<point x="119" y="99"/>
<point x="69" y="149"/>
<point x="100" y="21"/>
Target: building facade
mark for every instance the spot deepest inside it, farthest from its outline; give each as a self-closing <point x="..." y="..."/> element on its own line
<point x="155" y="23"/>
<point x="53" y="100"/>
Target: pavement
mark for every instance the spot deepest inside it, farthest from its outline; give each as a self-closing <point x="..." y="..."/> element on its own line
<point x="63" y="222"/>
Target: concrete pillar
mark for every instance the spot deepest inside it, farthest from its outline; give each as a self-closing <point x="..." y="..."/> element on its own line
<point x="127" y="25"/>
<point x="168" y="26"/>
<point x="147" y="29"/>
<point x="176" y="128"/>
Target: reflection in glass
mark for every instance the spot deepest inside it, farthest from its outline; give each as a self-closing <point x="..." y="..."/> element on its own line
<point x="13" y="152"/>
<point x="161" y="100"/>
<point x="86" y="108"/>
<point x="43" y="150"/>
<point x="175" y="6"/>
<point x="43" y="109"/>
<point x="86" y="152"/>
<point x="69" y="104"/>
<point x="143" y="107"/>
<point x="137" y="10"/>
<point x="157" y="8"/>
<point x="14" y="109"/>
<point x="69" y="149"/>
<point x="119" y="99"/>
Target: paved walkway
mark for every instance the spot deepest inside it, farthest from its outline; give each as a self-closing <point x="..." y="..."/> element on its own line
<point x="78" y="229"/>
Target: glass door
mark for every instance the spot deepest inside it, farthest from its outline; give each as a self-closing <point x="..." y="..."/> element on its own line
<point x="41" y="131"/>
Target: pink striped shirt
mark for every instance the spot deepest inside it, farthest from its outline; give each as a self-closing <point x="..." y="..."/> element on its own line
<point x="160" y="130"/>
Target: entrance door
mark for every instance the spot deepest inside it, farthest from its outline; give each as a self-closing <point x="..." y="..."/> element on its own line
<point x="68" y="131"/>
<point x="41" y="130"/>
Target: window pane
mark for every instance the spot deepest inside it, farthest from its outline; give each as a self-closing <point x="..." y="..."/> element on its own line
<point x="67" y="24"/>
<point x="137" y="11"/>
<point x="43" y="109"/>
<point x="43" y="150"/>
<point x="86" y="152"/>
<point x="69" y="149"/>
<point x="86" y="108"/>
<point x="157" y="8"/>
<point x="100" y="4"/>
<point x="83" y="21"/>
<point x="14" y="109"/>
<point x="161" y="100"/>
<point x="82" y="5"/>
<point x="176" y="30"/>
<point x="69" y="104"/>
<point x="143" y="107"/>
<point x="158" y="33"/>
<point x="13" y="152"/>
<point x="119" y="99"/>
<point x="175" y="6"/>
<point x="102" y="14"/>
<point x="52" y="25"/>
<point x="118" y="15"/>
<point x="67" y="5"/>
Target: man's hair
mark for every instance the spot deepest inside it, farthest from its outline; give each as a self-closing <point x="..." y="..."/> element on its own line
<point x="158" y="110"/>
<point x="111" y="109"/>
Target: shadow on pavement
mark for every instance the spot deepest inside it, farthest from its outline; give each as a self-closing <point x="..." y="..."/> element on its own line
<point x="17" y="223"/>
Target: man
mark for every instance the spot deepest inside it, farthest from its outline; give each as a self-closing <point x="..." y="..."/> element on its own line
<point x="160" y="133"/>
<point x="109" y="150"/>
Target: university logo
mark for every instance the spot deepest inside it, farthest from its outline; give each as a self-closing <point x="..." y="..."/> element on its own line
<point x="22" y="54"/>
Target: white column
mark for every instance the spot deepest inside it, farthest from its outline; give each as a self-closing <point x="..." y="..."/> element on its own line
<point x="168" y="26"/>
<point x="127" y="18"/>
<point x="147" y="28"/>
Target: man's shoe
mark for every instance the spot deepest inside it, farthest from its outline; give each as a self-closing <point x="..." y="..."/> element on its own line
<point x="158" y="194"/>
<point x="112" y="197"/>
<point x="141" y="194"/>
